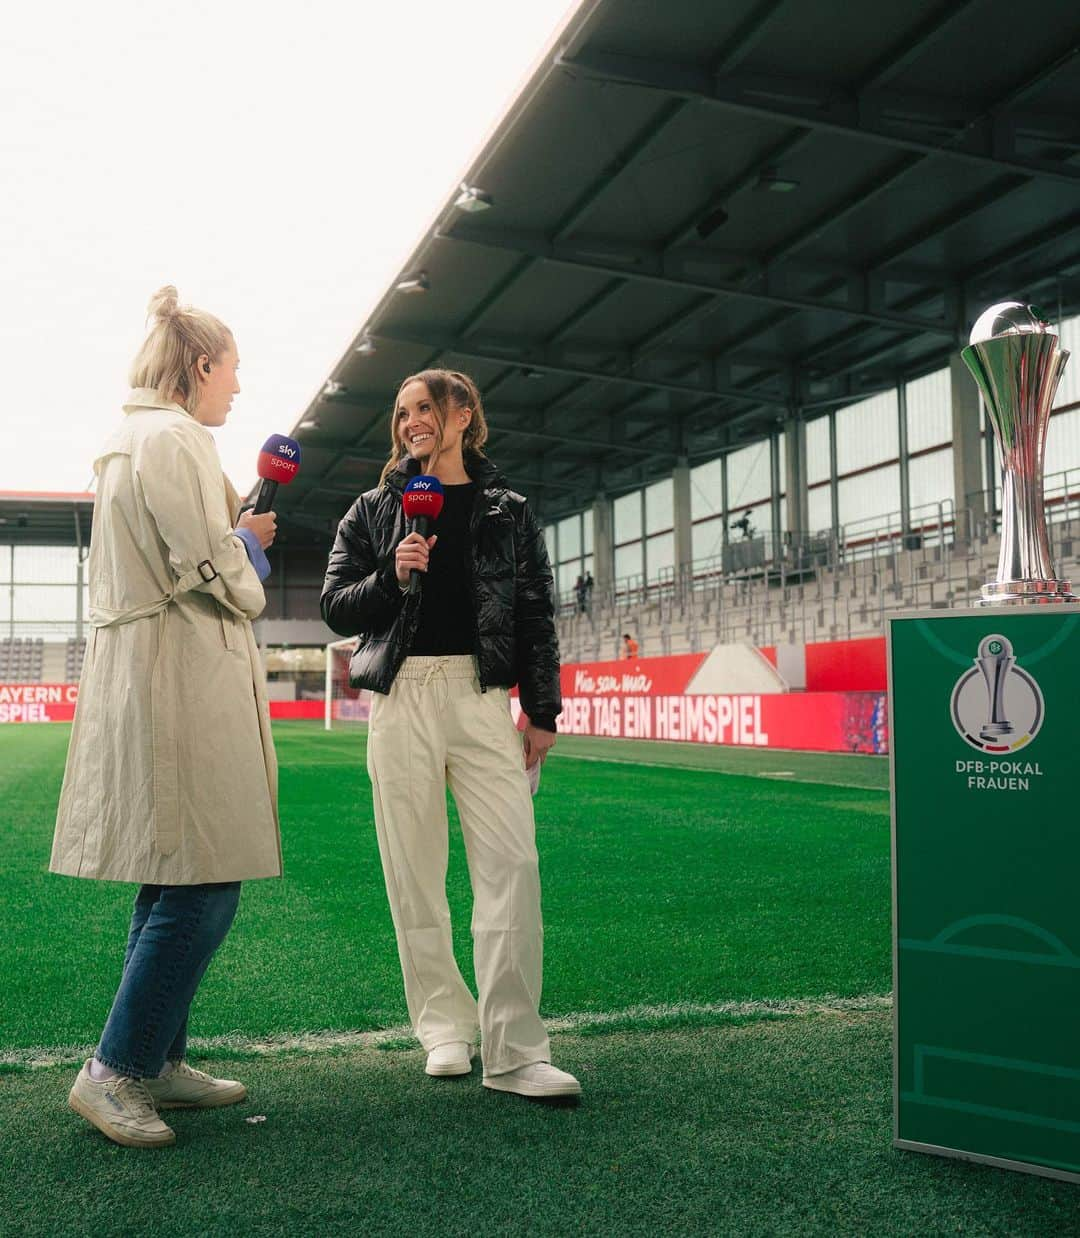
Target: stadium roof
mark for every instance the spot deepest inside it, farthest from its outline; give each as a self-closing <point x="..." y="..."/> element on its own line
<point x="705" y="218"/>
<point x="45" y="518"/>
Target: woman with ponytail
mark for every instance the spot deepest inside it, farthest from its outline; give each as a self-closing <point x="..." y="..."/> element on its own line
<point x="171" y="779"/>
<point x="440" y="662"/>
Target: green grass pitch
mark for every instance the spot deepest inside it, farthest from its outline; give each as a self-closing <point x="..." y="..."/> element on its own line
<point x="717" y="969"/>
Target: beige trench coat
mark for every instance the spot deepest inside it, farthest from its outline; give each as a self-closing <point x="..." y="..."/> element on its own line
<point x="171" y="776"/>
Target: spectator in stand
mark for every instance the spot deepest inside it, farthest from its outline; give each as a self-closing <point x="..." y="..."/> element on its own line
<point x="589" y="582"/>
<point x="630" y="646"/>
<point x="580" y="594"/>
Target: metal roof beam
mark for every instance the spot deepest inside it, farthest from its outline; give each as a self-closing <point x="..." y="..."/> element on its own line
<point x="877" y="116"/>
<point x="540" y="362"/>
<point x="662" y="274"/>
<point x="584" y="445"/>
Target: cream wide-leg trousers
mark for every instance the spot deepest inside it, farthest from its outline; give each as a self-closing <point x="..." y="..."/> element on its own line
<point x="435" y="727"/>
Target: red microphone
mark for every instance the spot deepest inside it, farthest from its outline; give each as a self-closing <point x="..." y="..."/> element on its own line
<point x="279" y="462"/>
<point x="422" y="501"/>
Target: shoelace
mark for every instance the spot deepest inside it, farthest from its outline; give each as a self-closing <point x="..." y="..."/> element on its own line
<point x="189" y="1072"/>
<point x="133" y="1094"/>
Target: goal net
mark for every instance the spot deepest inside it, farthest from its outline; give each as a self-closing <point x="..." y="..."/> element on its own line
<point x="343" y="704"/>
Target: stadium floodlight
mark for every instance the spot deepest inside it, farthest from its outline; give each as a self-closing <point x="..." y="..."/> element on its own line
<point x="473" y="199"/>
<point x="366" y="347"/>
<point x="333" y="387"/>
<point x="311" y="422"/>
<point x="417" y="282"/>
<point x="527" y="371"/>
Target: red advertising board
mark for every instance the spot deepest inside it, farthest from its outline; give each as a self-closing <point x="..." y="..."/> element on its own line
<point x="55" y="702"/>
<point x="654" y="698"/>
<point x="38" y="702"/>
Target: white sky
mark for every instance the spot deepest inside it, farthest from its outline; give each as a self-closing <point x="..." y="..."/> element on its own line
<point x="276" y="163"/>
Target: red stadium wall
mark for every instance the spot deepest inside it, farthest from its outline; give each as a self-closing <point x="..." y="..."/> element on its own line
<point x="647" y="698"/>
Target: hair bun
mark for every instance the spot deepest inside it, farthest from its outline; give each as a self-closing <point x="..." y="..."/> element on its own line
<point x="164" y="304"/>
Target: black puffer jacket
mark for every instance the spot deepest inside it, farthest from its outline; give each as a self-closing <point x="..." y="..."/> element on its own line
<point x="512" y="591"/>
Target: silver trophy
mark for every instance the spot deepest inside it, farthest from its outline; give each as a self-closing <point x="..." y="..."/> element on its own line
<point x="1015" y="358"/>
<point x="995" y="660"/>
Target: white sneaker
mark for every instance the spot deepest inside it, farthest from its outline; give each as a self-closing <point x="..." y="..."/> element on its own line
<point x="120" y="1108"/>
<point x="538" y="1079"/>
<point x="186" y="1088"/>
<point x="453" y="1058"/>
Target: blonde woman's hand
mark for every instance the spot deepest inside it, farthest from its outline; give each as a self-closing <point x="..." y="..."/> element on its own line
<point x="263" y="526"/>
<point x="412" y="552"/>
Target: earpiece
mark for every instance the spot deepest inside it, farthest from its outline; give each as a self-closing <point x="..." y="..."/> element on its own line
<point x="206" y="367"/>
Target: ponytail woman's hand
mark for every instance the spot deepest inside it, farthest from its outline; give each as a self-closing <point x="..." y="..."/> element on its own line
<point x="536" y="744"/>
<point x="264" y="526"/>
<point x="412" y="553"/>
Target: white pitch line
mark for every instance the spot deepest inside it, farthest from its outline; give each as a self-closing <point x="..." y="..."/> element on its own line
<point x="318" y="1042"/>
<point x="702" y="769"/>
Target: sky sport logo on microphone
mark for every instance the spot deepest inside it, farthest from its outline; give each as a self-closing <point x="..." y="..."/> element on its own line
<point x="279" y="459"/>
<point x="423" y="498"/>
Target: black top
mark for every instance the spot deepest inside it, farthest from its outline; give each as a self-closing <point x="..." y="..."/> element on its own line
<point x="447" y="622"/>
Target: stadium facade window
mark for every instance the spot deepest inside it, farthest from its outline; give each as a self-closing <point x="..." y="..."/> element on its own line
<point x="750" y="489"/>
<point x="869" y="498"/>
<point x="930" y="481"/>
<point x="1063" y="454"/>
<point x="707" y="491"/>
<point x="1069" y="390"/>
<point x="571" y="558"/>
<point x="627" y="518"/>
<point x="629" y="560"/>
<point x="43" y="604"/>
<point x="45" y="564"/>
<point x="660" y="507"/>
<point x="819" y="508"/>
<point x="707" y="540"/>
<point x="819" y="474"/>
<point x="867" y="433"/>
<point x="928" y="402"/>
<point x="41" y="595"/>
<point x="659" y="555"/>
<point x="868" y="463"/>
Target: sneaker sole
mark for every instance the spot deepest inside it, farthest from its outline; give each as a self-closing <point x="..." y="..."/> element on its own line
<point x="216" y="1100"/>
<point x="449" y="1071"/>
<point x="118" y="1136"/>
<point x="535" y="1090"/>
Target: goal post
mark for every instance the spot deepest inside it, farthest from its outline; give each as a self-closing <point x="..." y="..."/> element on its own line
<point x="343" y="703"/>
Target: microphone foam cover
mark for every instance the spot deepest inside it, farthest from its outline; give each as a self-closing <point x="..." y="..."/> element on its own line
<point x="279" y="459"/>
<point x="423" y="497"/>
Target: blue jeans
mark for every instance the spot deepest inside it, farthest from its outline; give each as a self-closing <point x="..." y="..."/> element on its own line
<point x="175" y="931"/>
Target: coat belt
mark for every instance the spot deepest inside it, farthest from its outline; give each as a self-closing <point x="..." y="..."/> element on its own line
<point x="162" y="706"/>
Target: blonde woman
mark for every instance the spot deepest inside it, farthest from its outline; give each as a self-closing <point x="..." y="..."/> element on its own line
<point x="171" y="779"/>
<point x="440" y="663"/>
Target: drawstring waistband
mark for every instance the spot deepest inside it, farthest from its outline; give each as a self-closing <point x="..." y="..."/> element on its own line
<point x="449" y="666"/>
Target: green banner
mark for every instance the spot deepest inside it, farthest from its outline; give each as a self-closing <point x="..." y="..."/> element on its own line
<point x="985" y="706"/>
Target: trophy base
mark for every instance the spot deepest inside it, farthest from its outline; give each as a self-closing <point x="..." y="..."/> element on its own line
<point x="996" y="730"/>
<point x="1026" y="593"/>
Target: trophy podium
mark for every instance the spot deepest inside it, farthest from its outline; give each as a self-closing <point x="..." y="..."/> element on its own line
<point x="986" y="854"/>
